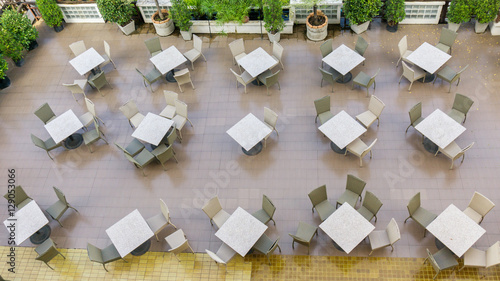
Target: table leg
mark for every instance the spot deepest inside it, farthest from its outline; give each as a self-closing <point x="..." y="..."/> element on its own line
<point x="430" y="146"/>
<point x="345" y="78"/>
<point x="142" y="249"/>
<point x="336" y="148"/>
<point x="170" y="76"/>
<point x="73" y="141"/>
<point x="41" y="235"/>
<point x="254" y="150"/>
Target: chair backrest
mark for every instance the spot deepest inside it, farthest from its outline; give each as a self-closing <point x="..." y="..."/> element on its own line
<point x="99" y="80"/>
<point x="225" y="253"/>
<point x="272" y="79"/>
<point x="238" y="77"/>
<point x="181" y="108"/>
<point x="361" y="46"/>
<point x="432" y="261"/>
<point x="493" y="255"/>
<point x="94" y="253"/>
<point x="60" y="195"/>
<point x="368" y="148"/>
<point x="355" y="184"/>
<point x="322" y="104"/>
<point x="270" y="117"/>
<point x="414" y="204"/>
<point x="376" y="106"/>
<point x="90" y="106"/>
<point x="461" y="70"/>
<point x="166" y="154"/>
<point x="129" y="109"/>
<point x="277" y="50"/>
<point x="121" y="148"/>
<point x="197" y="43"/>
<point x="237" y="47"/>
<point x="170" y="97"/>
<point x="74" y="88"/>
<point x="480" y="204"/>
<point x="48" y="255"/>
<point x="19" y="195"/>
<point x="107" y="50"/>
<point x="326" y="48"/>
<point x="415" y="112"/>
<point x="153" y="44"/>
<point x="45" y="113"/>
<point x="403" y="46"/>
<point x="268" y="206"/>
<point x="164" y="209"/>
<point x="447" y="37"/>
<point x="212" y="207"/>
<point x="393" y="233"/>
<point x="274" y="246"/>
<point x="462" y="103"/>
<point x="78" y="47"/>
<point x="38" y="142"/>
<point x="408" y="72"/>
<point x="172" y="136"/>
<point x="318" y="195"/>
<point x="372" y="79"/>
<point x="372" y="203"/>
<point x="327" y="76"/>
<point x="143" y="76"/>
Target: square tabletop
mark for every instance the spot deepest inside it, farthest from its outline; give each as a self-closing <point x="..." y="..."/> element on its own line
<point x="347" y="227"/>
<point x="249" y="131"/>
<point x="343" y="59"/>
<point x="455" y="230"/>
<point x="257" y="62"/>
<point x="152" y="129"/>
<point x="27" y="220"/>
<point x="342" y="129"/>
<point x="129" y="233"/>
<point x="428" y="57"/>
<point x="86" y="61"/>
<point x="440" y="128"/>
<point x="63" y="126"/>
<point x="241" y="231"/>
<point x="168" y="59"/>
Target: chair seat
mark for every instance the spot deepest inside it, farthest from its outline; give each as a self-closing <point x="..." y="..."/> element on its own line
<point x="176" y="239"/>
<point x="457" y="115"/>
<point x="262" y="77"/>
<point x="348" y="197"/>
<point x="168" y="112"/>
<point x="192" y="54"/>
<point x="306" y="232"/>
<point x="357" y="147"/>
<point x="445" y="259"/>
<point x="263" y="244"/>
<point x="423" y="217"/>
<point x="221" y="217"/>
<point x="324" y="209"/>
<point x="56" y="209"/>
<point x="81" y="83"/>
<point x="181" y="72"/>
<point x="419" y="72"/>
<point x="379" y="239"/>
<point x="366" y="118"/>
<point x="179" y="121"/>
<point x="443" y="47"/>
<point x="106" y="60"/>
<point x="86" y="119"/>
<point x="50" y="144"/>
<point x="325" y="116"/>
<point x="406" y="54"/>
<point x="246" y="77"/>
<point x="362" y="79"/>
<point x="110" y="254"/>
<point x="157" y="222"/>
<point x="137" y="119"/>
<point x="90" y="136"/>
<point x="451" y="150"/>
<point x="155" y="53"/>
<point x="447" y="73"/>
<point x="475" y="258"/>
<point x="366" y="213"/>
<point x="475" y="216"/>
<point x="134" y="147"/>
<point x="153" y="75"/>
<point x="262" y="216"/>
<point x="240" y="56"/>
<point x="144" y="157"/>
<point x="420" y="119"/>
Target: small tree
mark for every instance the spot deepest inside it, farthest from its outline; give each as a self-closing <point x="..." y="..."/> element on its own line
<point x="51" y="13"/>
<point x="486" y="10"/>
<point x="117" y="11"/>
<point x="273" y="16"/>
<point x="180" y="14"/>
<point x="395" y="11"/>
<point x="19" y="26"/>
<point x="459" y="11"/>
<point x="4" y="66"/>
<point x="10" y="46"/>
<point x="360" y="11"/>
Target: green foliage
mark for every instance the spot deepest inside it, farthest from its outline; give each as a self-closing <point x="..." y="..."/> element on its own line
<point x="4" y="66"/>
<point x="360" y="11"/>
<point x="117" y="11"/>
<point x="51" y="13"/>
<point x="180" y="14"/>
<point x="19" y="26"/>
<point x="486" y="10"/>
<point x="395" y="11"/>
<point x="459" y="11"/>
<point x="208" y="8"/>
<point x="233" y="10"/>
<point x="273" y="11"/>
<point x="9" y="45"/>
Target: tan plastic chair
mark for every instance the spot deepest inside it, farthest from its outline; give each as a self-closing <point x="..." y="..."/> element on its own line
<point x="244" y="79"/>
<point x="88" y="117"/>
<point x="160" y="220"/>
<point x="415" y="116"/>
<point x="446" y="40"/>
<point x="278" y="53"/>
<point x="169" y="110"/>
<point x="420" y="215"/>
<point x="45" y="113"/>
<point x="193" y="54"/>
<point x="270" y="119"/>
<point x="363" y="80"/>
<point x="461" y="105"/>
<point x="163" y="153"/>
<point x="382" y="238"/>
<point x="215" y="213"/>
<point x="77" y="87"/>
<point x="360" y="149"/>
<point x="403" y="50"/>
<point x="223" y="255"/>
<point x="78" y="47"/>
<point x="328" y="76"/>
<point x="237" y="48"/>
<point x="304" y="235"/>
<point x="370" y="207"/>
<point x="103" y="256"/>
<point x="478" y="207"/>
<point x="19" y="196"/>
<point x="268" y="78"/>
<point x="94" y="135"/>
<point x="453" y="151"/>
<point x="107" y="56"/>
<point x="323" y="109"/>
<point x="133" y="148"/>
<point x="449" y="75"/>
<point x="361" y="46"/>
<point x="47" y="145"/>
<point x="141" y="160"/>
<point x="375" y="108"/>
<point x="319" y="200"/>
<point x="98" y="81"/>
<point x="443" y="259"/>
<point x="150" y="77"/>
<point x="485" y="259"/>
<point x="182" y="77"/>
<point x="353" y="190"/>
<point x="47" y="251"/>
<point x="130" y="110"/>
<point x="58" y="209"/>
<point x="265" y="214"/>
<point x="181" y="116"/>
<point x="153" y="45"/>
<point x="326" y="48"/>
<point x="267" y="246"/>
<point x="412" y="74"/>
<point x="178" y="243"/>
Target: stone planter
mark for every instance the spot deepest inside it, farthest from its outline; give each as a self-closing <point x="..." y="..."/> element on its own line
<point x="480" y="27"/>
<point x="165" y="27"/>
<point x="274" y="37"/>
<point x="360" y="28"/>
<point x="317" y="33"/>
<point x="453" y="26"/>
<point x="495" y="28"/>
<point x="187" y="35"/>
<point x="128" y="28"/>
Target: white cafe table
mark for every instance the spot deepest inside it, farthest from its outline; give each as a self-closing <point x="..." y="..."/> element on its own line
<point x="29" y="222"/>
<point x="167" y="60"/>
<point x="131" y="233"/>
<point x="249" y="132"/>
<point x="341" y="129"/>
<point x="152" y="129"/>
<point x="343" y="59"/>
<point x="256" y="62"/>
<point x="429" y="58"/>
<point x="87" y="61"/>
<point x="455" y="230"/>
<point x="64" y="127"/>
<point x="346" y="227"/>
<point x="440" y="129"/>
<point x="241" y="231"/>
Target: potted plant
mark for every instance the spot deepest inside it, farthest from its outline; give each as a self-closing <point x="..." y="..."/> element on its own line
<point x="119" y="12"/>
<point x="233" y="10"/>
<point x="181" y="15"/>
<point x="273" y="18"/>
<point x="161" y="21"/>
<point x="394" y="13"/>
<point x="459" y="11"/>
<point x="4" y="80"/>
<point x="316" y="22"/>
<point x="11" y="47"/>
<point x="51" y="14"/>
<point x="486" y="11"/>
<point x="20" y="27"/>
<point x="360" y="13"/>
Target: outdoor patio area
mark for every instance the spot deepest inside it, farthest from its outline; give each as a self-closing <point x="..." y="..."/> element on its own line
<point x="105" y="187"/>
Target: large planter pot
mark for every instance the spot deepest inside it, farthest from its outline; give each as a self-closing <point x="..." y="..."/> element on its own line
<point x="317" y="33"/>
<point x="165" y="27"/>
<point x="19" y="62"/>
<point x="392" y="28"/>
<point x="495" y="28"/>
<point x="4" y="83"/>
<point x="480" y="27"/>
<point x="59" y="28"/>
<point x="274" y="37"/>
<point x="453" y="26"/>
<point x="32" y="45"/>
<point x="187" y="35"/>
<point x="360" y="28"/>
<point x="128" y="28"/>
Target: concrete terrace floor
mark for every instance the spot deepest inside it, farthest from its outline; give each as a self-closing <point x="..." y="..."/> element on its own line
<point x="105" y="187"/>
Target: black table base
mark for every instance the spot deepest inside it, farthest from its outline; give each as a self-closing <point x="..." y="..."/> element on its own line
<point x="430" y="146"/>
<point x="439" y="244"/>
<point x="170" y="76"/>
<point x="344" y="79"/>
<point x="254" y="150"/>
<point x="73" y="141"/>
<point x="336" y="148"/>
<point x="142" y="249"/>
<point x="41" y="235"/>
<point x="256" y="82"/>
<point x="428" y="78"/>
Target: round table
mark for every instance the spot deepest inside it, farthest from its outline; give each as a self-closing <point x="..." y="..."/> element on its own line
<point x="254" y="150"/>
<point x="337" y="149"/>
<point x="41" y="235"/>
<point x="430" y="146"/>
<point x="142" y="249"/>
<point x="73" y="141"/>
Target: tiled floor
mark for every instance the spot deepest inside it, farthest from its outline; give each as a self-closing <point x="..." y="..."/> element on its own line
<point x="104" y="186"/>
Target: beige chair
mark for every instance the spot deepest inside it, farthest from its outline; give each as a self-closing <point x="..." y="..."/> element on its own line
<point x="223" y="255"/>
<point x="154" y="46"/>
<point x="237" y="48"/>
<point x="323" y="109"/>
<point x="319" y="200"/>
<point x="420" y="215"/>
<point x="375" y="108"/>
<point x="328" y="76"/>
<point x="443" y="259"/>
<point x="94" y="135"/>
<point x="107" y="56"/>
<point x="178" y="243"/>
<point x="461" y="106"/>
<point x="478" y="207"/>
<point x="193" y="54"/>
<point x="45" y="113"/>
<point x="103" y="256"/>
<point x="265" y="214"/>
<point x="78" y="87"/>
<point x="361" y="46"/>
<point x="370" y="207"/>
<point x="182" y="77"/>
<point x="78" y="47"/>
<point x="415" y="116"/>
<point x="181" y="116"/>
<point x="47" y="251"/>
<point x="215" y="213"/>
<point x="449" y="75"/>
<point x="278" y="53"/>
<point x="268" y="78"/>
<point x="19" y="196"/>
<point x="446" y="40"/>
<point x="364" y="80"/>
<point x="353" y="190"/>
<point x="270" y="119"/>
<point x="360" y="149"/>
<point x="58" y="209"/>
<point x="412" y="74"/>
<point x="383" y="238"/>
<point x="141" y="159"/>
<point x="169" y="110"/>
<point x="130" y="110"/>
<point x="98" y="81"/>
<point x="304" y="235"/>
<point x="477" y="258"/>
<point x="163" y="153"/>
<point x="90" y="116"/>
<point x="47" y="145"/>
<point x="326" y="48"/>
<point x="160" y="220"/>
<point x="403" y="50"/>
<point x="267" y="246"/>
<point x="133" y="148"/>
<point x="150" y="77"/>
<point x="244" y="79"/>
<point x="453" y="151"/>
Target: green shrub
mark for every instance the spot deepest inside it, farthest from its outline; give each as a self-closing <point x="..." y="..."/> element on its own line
<point x="9" y="45"/>
<point x="51" y="13"/>
<point x="459" y="11"/>
<point x="180" y="14"/>
<point x="395" y="11"/>
<point x="19" y="26"/>
<point x="486" y="10"/>
<point x="360" y="11"/>
<point x="4" y="66"/>
<point x="273" y="16"/>
<point x="117" y="11"/>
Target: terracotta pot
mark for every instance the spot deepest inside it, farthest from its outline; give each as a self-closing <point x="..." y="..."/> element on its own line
<point x="317" y="33"/>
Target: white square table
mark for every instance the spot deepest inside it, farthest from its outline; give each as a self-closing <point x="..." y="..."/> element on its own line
<point x="440" y="129"/>
<point x="129" y="233"/>
<point x="343" y="60"/>
<point x="87" y="61"/>
<point x="167" y="60"/>
<point x="257" y="62"/>
<point x="249" y="132"/>
<point x="64" y="127"/>
<point x="341" y="129"/>
<point x="455" y="230"/>
<point x="153" y="129"/>
<point x="347" y="227"/>
<point x="27" y="221"/>
<point x="429" y="58"/>
<point x="241" y="231"/>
